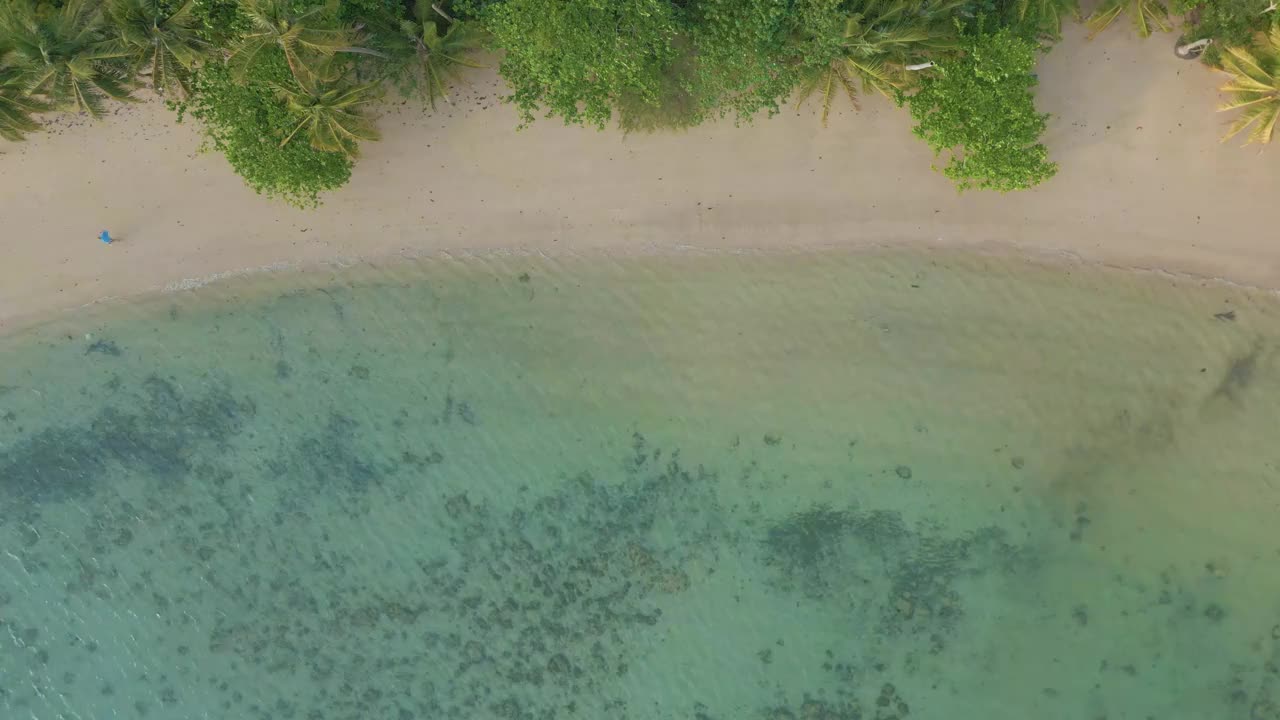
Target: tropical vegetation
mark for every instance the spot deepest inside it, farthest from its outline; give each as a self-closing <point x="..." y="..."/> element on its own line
<point x="17" y="106"/>
<point x="287" y="90"/>
<point x="978" y="109"/>
<point x="64" y="55"/>
<point x="1146" y="15"/>
<point x="881" y="48"/>
<point x="159" y="43"/>
<point x="423" y="58"/>
<point x="1254" y="87"/>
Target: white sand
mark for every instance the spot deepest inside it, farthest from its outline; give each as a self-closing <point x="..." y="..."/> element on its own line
<point x="1144" y="182"/>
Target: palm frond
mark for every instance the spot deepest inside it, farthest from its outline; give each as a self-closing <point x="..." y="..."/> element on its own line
<point x="330" y="114"/>
<point x="167" y="47"/>
<point x="1254" y="88"/>
<point x="1146" y="15"/>
<point x="17" y="107"/>
<point x="1265" y="124"/>
<point x="878" y="42"/>
<point x="306" y="38"/>
<point x="1246" y="66"/>
<point x="1102" y="17"/>
<point x="1045" y="15"/>
<point x="65" y="55"/>
<point x="828" y="79"/>
<point x="429" y="51"/>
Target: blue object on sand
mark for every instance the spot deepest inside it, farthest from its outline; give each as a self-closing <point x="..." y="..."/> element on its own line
<point x="105" y="237"/>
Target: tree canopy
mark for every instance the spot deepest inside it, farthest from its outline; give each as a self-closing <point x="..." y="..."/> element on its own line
<point x="979" y="110"/>
<point x="285" y="89"/>
<point x="576" y="58"/>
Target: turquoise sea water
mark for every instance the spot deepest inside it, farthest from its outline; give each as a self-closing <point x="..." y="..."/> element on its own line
<point x="865" y="486"/>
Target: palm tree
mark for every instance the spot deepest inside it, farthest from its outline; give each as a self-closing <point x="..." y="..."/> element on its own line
<point x="305" y="37"/>
<point x="63" y="54"/>
<point x="330" y="114"/>
<point x="882" y="44"/>
<point x="166" y="47"/>
<point x="1255" y="87"/>
<point x="1045" y="15"/>
<point x="430" y="60"/>
<point x="1146" y="15"/>
<point x="17" y="105"/>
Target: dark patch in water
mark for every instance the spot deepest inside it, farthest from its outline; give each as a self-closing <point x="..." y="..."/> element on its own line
<point x="433" y="457"/>
<point x="155" y="435"/>
<point x="808" y="538"/>
<point x="461" y="409"/>
<point x="330" y="459"/>
<point x="814" y="709"/>
<point x="529" y="613"/>
<point x="103" y="347"/>
<point x="1240" y="374"/>
<point x="826" y="553"/>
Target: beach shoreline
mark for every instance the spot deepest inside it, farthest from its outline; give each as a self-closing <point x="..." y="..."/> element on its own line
<point x="1144" y="184"/>
<point x="254" y="284"/>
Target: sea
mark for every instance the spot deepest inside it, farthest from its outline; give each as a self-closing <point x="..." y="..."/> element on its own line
<point x="871" y="485"/>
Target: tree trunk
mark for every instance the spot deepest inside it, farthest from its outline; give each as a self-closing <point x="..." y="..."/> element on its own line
<point x="1192" y="50"/>
<point x="442" y="13"/>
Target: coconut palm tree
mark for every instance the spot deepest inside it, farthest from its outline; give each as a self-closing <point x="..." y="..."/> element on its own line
<point x="307" y="38"/>
<point x="1255" y="87"/>
<point x="64" y="54"/>
<point x="165" y="46"/>
<point x="17" y="105"/>
<point x="330" y="113"/>
<point x="428" y="60"/>
<point x="1147" y="15"/>
<point x="1045" y="15"/>
<point x="882" y="44"/>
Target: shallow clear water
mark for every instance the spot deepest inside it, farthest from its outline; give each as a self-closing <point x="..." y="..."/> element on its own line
<point x="817" y="487"/>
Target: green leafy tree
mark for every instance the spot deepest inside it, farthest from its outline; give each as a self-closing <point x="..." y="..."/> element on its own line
<point x="330" y="114"/>
<point x="220" y="22"/>
<point x="1147" y="16"/>
<point x="17" y="105"/>
<point x="247" y="122"/>
<point x="306" y="38"/>
<point x="64" y="54"/>
<point x="578" y="58"/>
<point x="742" y="59"/>
<point x="161" y="43"/>
<point x="882" y="46"/>
<point x="732" y="57"/>
<point x="1254" y="87"/>
<point x="426" y="61"/>
<point x="979" y="109"/>
<point x="676" y="104"/>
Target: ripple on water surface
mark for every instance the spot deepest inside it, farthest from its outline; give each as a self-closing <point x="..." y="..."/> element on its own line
<point x="831" y="487"/>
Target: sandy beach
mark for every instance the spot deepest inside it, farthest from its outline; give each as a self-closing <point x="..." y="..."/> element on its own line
<point x="744" y="423"/>
<point x="1144" y="183"/>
